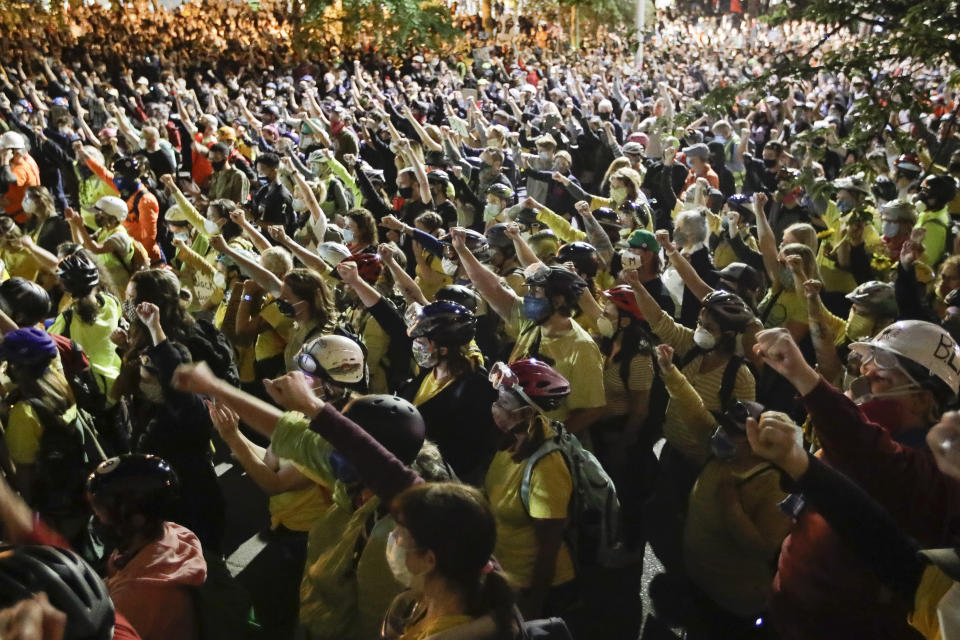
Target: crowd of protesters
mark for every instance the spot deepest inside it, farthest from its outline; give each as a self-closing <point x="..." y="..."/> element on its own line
<point x="482" y="323"/>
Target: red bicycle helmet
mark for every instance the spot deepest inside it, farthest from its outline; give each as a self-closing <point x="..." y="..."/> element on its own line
<point x="909" y="162"/>
<point x="534" y="380"/>
<point x="369" y="266"/>
<point x="622" y="296"/>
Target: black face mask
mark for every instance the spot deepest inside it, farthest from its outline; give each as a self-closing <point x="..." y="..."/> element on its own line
<point x="605" y="115"/>
<point x="405" y="192"/>
<point x="217" y="166"/>
<point x="286" y="308"/>
<point x="769" y="163"/>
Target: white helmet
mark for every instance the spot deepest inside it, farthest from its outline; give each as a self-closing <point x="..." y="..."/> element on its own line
<point x="113" y="207"/>
<point x="337" y="358"/>
<point x="924" y="343"/>
<point x="12" y="140"/>
<point x="333" y="253"/>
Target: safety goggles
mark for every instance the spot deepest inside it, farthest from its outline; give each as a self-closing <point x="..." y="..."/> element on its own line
<point x="449" y="252"/>
<point x="307" y="363"/>
<point x="881" y="358"/>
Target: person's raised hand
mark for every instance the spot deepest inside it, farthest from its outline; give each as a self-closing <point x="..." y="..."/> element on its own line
<point x="663" y="237"/>
<point x="559" y="177"/>
<point x="632" y="278"/>
<point x="278" y="233"/>
<point x="582" y="207"/>
<point x="812" y="288"/>
<point x="225" y="420"/>
<point x="386" y="251"/>
<point x="512" y="230"/>
<point x="70" y="215"/>
<point x="760" y="200"/>
<point x="665" y="357"/>
<point x="119" y="337"/>
<point x="179" y="243"/>
<point x="33" y="618"/>
<point x="458" y="238"/>
<point x="349" y="273"/>
<point x="195" y="378"/>
<point x="252" y="287"/>
<point x="774" y="438"/>
<point x="795" y="264"/>
<point x="912" y="249"/>
<point x="237" y="217"/>
<point x="219" y="243"/>
<point x="779" y="351"/>
<point x="169" y="181"/>
<point x="391" y="222"/>
<point x="294" y="391"/>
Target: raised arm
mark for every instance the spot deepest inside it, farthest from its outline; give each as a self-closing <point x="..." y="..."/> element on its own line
<point x="688" y="274"/>
<point x="500" y="298"/>
<point x="765" y="237"/>
<point x="308" y="258"/>
<point x="263" y="277"/>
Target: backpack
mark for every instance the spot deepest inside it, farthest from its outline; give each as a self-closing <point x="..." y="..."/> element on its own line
<point x="208" y="343"/>
<point x="728" y="380"/>
<point x="594" y="534"/>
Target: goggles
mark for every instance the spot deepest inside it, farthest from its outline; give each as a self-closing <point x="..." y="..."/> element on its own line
<point x="449" y="252"/>
<point x="504" y="379"/>
<point x="882" y="359"/>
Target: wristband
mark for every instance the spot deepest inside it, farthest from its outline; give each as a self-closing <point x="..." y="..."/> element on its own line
<point x="246" y="297"/>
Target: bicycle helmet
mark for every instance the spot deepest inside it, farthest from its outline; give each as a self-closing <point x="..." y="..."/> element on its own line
<point x="853" y="184"/>
<point x="937" y="191"/>
<point x="623" y="298"/>
<point x="540" y="383"/>
<point x="741" y="274"/>
<point x="559" y="281"/>
<point x="336" y="358"/>
<point x="476" y="244"/>
<point x="497" y="237"/>
<point x="369" y="266"/>
<point x="899" y="210"/>
<point x="26" y="302"/>
<point x="501" y="191"/>
<point x="113" y="207"/>
<point x="544" y="244"/>
<point x="607" y="218"/>
<point x="464" y="296"/>
<point x="78" y="274"/>
<point x="884" y="189"/>
<point x="127" y="167"/>
<point x="729" y="310"/>
<point x="877" y="297"/>
<point x="527" y="217"/>
<point x="29" y="348"/>
<point x="392" y="421"/>
<point x="909" y="164"/>
<point x="333" y="253"/>
<point x="438" y="176"/>
<point x="134" y="484"/>
<point x="446" y="323"/>
<point x="70" y="584"/>
<point x="583" y="256"/>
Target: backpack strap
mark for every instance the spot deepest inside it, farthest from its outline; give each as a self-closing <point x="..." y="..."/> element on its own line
<point x="689" y="357"/>
<point x="729" y="380"/>
<point x="756" y="472"/>
<point x="534" y="350"/>
<point x="548" y="447"/>
<point x="67" y="321"/>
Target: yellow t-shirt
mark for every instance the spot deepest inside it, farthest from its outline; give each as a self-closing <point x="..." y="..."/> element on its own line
<point x="24" y="431"/>
<point x="430" y="387"/>
<point x="778" y="310"/>
<point x="576" y="357"/>
<point x="640" y="378"/>
<point x="20" y="264"/>
<point x="298" y="510"/>
<point x="271" y="342"/>
<point x="550" y="489"/>
<point x="424" y="629"/>
<point x="934" y="584"/>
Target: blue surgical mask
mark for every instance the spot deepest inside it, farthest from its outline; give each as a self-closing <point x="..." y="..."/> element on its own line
<point x="347" y="236"/>
<point x="844" y="206"/>
<point x="722" y="446"/>
<point x="536" y="309"/>
<point x="342" y="469"/>
<point x="125" y="185"/>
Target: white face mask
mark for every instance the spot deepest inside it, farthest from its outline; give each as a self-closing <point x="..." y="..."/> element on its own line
<point x="490" y="211"/>
<point x="605" y="327"/>
<point x="211" y="227"/>
<point x="219" y="280"/>
<point x="397" y="560"/>
<point x="704" y="339"/>
<point x="449" y="267"/>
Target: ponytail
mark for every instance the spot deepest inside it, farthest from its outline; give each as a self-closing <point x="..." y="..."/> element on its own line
<point x="495" y="597"/>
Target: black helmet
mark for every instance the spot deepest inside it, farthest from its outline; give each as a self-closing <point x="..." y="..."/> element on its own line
<point x="26" y="302"/>
<point x="583" y="256"/>
<point x="69" y="583"/>
<point x="444" y="322"/>
<point x="438" y="176"/>
<point x="497" y="236"/>
<point x="393" y="422"/>
<point x="742" y="274"/>
<point x="607" y="217"/>
<point x="635" y="209"/>
<point x="884" y="189"/>
<point x="559" y="281"/>
<point x="78" y="274"/>
<point x="939" y="189"/>
<point x="729" y="310"/>
<point x="527" y="216"/>
<point x="476" y="244"/>
<point x="464" y="296"/>
<point x="742" y="204"/>
<point x="134" y="484"/>
<point x="434" y="158"/>
<point x="127" y="167"/>
<point x="501" y="191"/>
